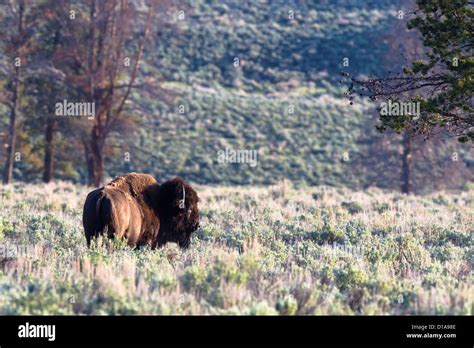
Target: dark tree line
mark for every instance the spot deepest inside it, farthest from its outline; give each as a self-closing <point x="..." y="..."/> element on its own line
<point x="83" y="52"/>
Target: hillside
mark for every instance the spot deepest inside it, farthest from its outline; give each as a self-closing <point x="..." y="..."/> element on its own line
<point x="276" y="41"/>
<point x="284" y="100"/>
<point x="259" y="76"/>
<point x="274" y="250"/>
<point x="306" y="145"/>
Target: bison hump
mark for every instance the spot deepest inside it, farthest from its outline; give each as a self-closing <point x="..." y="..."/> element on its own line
<point x="133" y="183"/>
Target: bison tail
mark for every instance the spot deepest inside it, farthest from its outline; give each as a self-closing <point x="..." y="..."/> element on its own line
<point x="104" y="217"/>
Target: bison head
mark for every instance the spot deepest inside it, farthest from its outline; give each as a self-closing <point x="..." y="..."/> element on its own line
<point x="178" y="211"/>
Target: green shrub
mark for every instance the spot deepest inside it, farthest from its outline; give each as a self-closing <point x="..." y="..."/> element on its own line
<point x="352" y="207"/>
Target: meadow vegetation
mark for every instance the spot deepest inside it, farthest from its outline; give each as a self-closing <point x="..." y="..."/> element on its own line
<point x="280" y="249"/>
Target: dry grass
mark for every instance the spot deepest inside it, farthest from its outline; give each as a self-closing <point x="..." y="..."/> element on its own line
<point x="261" y="250"/>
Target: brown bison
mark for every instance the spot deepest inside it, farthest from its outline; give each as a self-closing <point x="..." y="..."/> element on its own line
<point x="136" y="207"/>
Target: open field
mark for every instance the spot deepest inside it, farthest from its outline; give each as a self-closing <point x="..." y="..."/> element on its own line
<point x="268" y="250"/>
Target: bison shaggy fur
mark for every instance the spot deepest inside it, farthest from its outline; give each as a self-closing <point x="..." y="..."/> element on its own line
<point x="137" y="208"/>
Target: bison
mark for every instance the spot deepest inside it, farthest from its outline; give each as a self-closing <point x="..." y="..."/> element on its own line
<point x="136" y="207"/>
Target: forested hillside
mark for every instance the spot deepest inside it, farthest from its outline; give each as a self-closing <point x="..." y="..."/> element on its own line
<point x="283" y="99"/>
<point x="284" y="64"/>
<point x="259" y="76"/>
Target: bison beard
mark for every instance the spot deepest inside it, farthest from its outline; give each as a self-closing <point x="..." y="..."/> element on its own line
<point x="136" y="207"/>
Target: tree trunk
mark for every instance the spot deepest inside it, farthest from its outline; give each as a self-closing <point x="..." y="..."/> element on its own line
<point x="98" y="168"/>
<point x="406" y="186"/>
<point x="49" y="150"/>
<point x="8" y="169"/>
<point x="50" y="131"/>
<point x="96" y="147"/>
<point x="89" y="163"/>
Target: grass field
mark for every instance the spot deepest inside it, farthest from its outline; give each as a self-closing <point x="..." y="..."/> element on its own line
<point x="269" y="250"/>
